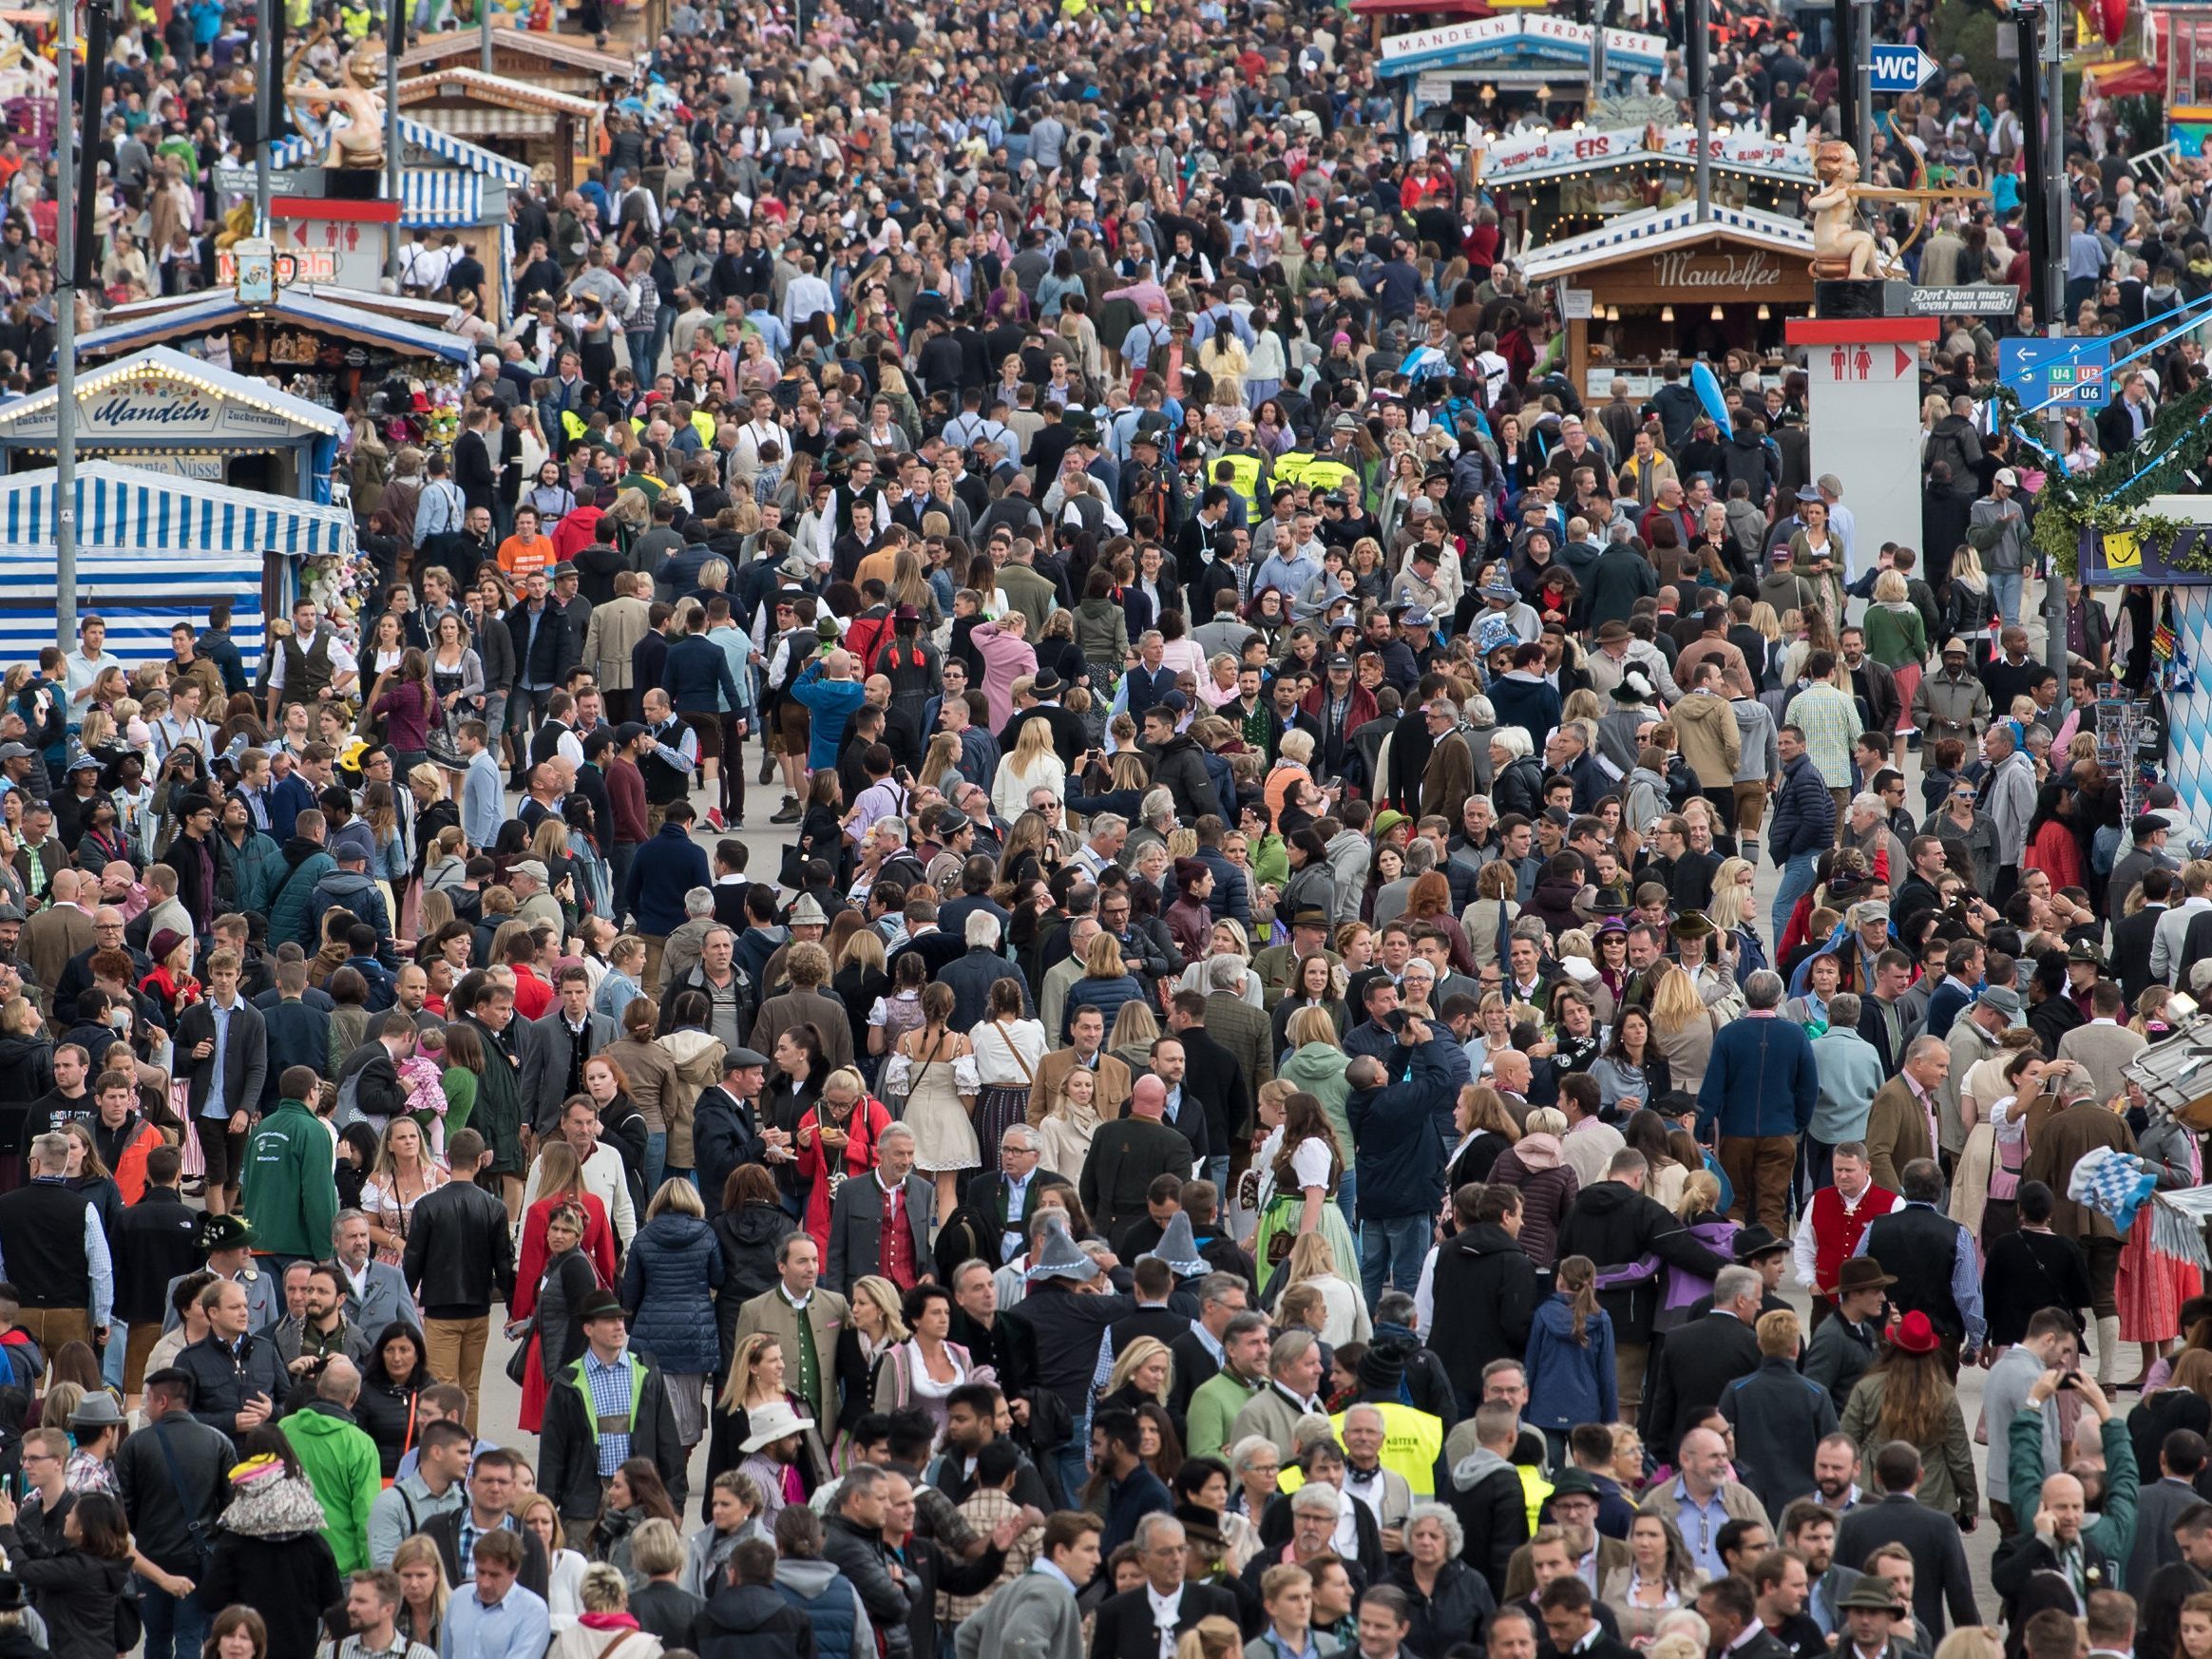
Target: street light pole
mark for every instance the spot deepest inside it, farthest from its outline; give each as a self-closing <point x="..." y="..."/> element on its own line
<point x="2056" y="239"/>
<point x="65" y="327"/>
<point x="272" y="78"/>
<point x="1862" y="78"/>
<point x="394" y="43"/>
<point x="1701" y="95"/>
<point x="2058" y="221"/>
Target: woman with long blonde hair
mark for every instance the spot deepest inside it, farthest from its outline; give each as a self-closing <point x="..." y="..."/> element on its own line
<point x="1313" y="1260"/>
<point x="910" y="587"/>
<point x="1070" y="1121"/>
<point x="882" y="1321"/>
<point x="404" y="1173"/>
<point x="423" y="1591"/>
<point x="759" y="1375"/>
<point x="1031" y="765"/>
<point x="1144" y="1370"/>
<point x="1683" y="1028"/>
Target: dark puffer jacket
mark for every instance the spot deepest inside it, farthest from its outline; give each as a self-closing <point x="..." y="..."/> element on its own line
<point x="1539" y="1171"/>
<point x="751" y="1621"/>
<point x="861" y="1558"/>
<point x="750" y="1236"/>
<point x="1484" y="1273"/>
<point x="668" y="1285"/>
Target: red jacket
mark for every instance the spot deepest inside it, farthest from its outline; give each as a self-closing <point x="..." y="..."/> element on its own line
<point x="577" y="530"/>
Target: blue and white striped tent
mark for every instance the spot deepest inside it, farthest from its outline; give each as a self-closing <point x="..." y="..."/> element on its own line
<point x="152" y="550"/>
<point x="430" y="197"/>
<point x="218" y="310"/>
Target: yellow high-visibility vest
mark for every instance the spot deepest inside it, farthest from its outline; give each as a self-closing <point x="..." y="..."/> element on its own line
<point x="1412" y="1440"/>
<point x="1320" y="472"/>
<point x="1244" y="473"/>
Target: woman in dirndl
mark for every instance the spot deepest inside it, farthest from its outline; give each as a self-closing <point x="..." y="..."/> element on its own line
<point x="933" y="1073"/>
<point x="2153" y="1285"/>
<point x="1008" y="1050"/>
<point x="1299" y="1168"/>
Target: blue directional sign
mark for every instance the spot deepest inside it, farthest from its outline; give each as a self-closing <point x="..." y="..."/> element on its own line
<point x="2057" y="373"/>
<point x="1900" y="69"/>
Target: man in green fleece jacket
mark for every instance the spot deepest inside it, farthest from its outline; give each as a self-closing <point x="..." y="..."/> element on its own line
<point x="1244" y="1372"/>
<point x="287" y="1187"/>
<point x="339" y="1460"/>
<point x="2060" y="1537"/>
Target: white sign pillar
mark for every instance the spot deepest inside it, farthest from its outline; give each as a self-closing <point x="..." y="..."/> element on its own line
<point x="1863" y="415"/>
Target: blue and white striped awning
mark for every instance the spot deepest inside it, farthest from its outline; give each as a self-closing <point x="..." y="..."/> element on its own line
<point x="128" y="509"/>
<point x="302" y="150"/>
<point x="136" y="597"/>
<point x="440" y="198"/>
<point x="151" y="550"/>
<point x="218" y="311"/>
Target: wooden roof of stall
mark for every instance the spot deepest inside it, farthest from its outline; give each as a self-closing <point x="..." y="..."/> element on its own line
<point x="465" y="45"/>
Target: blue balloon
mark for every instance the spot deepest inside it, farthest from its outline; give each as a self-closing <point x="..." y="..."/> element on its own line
<point x="1707" y="386"/>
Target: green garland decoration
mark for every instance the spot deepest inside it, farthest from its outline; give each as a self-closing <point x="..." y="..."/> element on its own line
<point x="2107" y="496"/>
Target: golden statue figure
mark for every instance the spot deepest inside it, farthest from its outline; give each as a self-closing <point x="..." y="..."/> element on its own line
<point x="357" y="140"/>
<point x="1840" y="249"/>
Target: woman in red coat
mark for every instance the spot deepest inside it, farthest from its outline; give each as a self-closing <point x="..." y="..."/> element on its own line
<point x="2053" y="846"/>
<point x="559" y="1182"/>
<point x="837" y="1140"/>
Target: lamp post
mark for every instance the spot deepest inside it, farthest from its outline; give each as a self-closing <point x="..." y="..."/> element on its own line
<point x="66" y="327"/>
<point x="270" y="94"/>
<point x="394" y="43"/>
<point x="2055" y="243"/>
<point x="1701" y="99"/>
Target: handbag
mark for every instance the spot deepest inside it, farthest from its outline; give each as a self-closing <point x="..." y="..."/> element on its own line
<point x="518" y="1360"/>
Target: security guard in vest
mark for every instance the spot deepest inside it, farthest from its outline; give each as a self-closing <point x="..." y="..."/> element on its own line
<point x="1240" y="471"/>
<point x="355" y="20"/>
<point x="1320" y="471"/>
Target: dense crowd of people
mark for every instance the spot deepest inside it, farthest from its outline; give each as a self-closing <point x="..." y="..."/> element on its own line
<point x="1386" y="1009"/>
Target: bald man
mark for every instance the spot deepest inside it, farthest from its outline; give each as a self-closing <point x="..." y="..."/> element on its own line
<point x="831" y="695"/>
<point x="2063" y="1540"/>
<point x="61" y="930"/>
<point x="1128" y="1155"/>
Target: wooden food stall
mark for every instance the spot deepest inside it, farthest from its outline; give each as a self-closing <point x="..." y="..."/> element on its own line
<point x="1661" y="283"/>
<point x="553" y="133"/>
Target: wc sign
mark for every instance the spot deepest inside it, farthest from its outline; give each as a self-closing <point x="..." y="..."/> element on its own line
<point x="1900" y="69"/>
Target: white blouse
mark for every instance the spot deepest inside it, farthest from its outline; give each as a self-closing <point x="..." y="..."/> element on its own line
<point x="996" y="1044"/>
